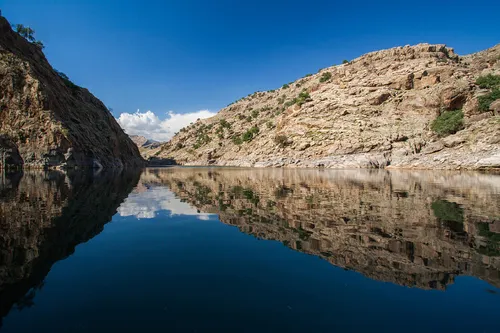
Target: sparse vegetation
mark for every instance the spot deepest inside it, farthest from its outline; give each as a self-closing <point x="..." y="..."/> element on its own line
<point x="325" y="77"/>
<point x="486" y="100"/>
<point x="449" y="122"/>
<point x="237" y="140"/>
<point x="345" y="61"/>
<point x="302" y="98"/>
<point x="224" y="123"/>
<point x="255" y="113"/>
<point x="448" y="211"/>
<point x="39" y="44"/>
<point x="66" y="80"/>
<point x="285" y="86"/>
<point x="489" y="81"/>
<point x="28" y="34"/>
<point x="492" y="82"/>
<point x="250" y="134"/>
<point x="281" y="140"/>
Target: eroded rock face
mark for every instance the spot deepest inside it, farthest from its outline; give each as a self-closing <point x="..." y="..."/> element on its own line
<point x="51" y="121"/>
<point x="44" y="216"/>
<point x="418" y="229"/>
<point x="373" y="112"/>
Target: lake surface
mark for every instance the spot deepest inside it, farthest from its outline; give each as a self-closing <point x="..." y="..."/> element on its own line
<point x="250" y="250"/>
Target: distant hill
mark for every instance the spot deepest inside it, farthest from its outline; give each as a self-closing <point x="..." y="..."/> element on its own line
<point x="143" y="142"/>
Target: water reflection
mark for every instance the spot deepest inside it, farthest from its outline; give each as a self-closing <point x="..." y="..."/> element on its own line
<point x="43" y="217"/>
<point x="418" y="229"/>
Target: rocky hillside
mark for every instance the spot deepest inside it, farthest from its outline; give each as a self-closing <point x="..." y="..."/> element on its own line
<point x="47" y="121"/>
<point x="408" y="107"/>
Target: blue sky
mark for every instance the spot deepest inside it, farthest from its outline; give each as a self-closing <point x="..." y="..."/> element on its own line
<point x="190" y="55"/>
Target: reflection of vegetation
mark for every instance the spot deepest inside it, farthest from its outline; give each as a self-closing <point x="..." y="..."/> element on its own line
<point x="250" y="196"/>
<point x="492" y="247"/>
<point x="27" y="301"/>
<point x="303" y="234"/>
<point x="282" y="192"/>
<point x="202" y="193"/>
<point x="270" y="204"/>
<point x="484" y="230"/>
<point x="448" y="211"/>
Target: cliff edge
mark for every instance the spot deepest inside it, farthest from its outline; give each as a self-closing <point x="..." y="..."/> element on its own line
<point x="47" y="121"/>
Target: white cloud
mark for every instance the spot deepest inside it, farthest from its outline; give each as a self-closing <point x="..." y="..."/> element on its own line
<point x="149" y="125"/>
<point x="147" y="204"/>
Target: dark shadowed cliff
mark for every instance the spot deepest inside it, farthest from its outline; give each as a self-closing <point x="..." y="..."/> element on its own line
<point x="49" y="120"/>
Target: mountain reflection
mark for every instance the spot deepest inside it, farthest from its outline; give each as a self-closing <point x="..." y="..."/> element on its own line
<point x="43" y="217"/>
<point x="411" y="228"/>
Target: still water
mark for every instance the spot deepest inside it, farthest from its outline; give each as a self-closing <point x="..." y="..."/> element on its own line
<point x="250" y="250"/>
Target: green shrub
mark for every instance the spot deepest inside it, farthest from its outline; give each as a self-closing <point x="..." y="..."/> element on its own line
<point x="249" y="119"/>
<point x="39" y="44"/>
<point x="224" y="123"/>
<point x="247" y="136"/>
<point x="302" y="98"/>
<point x="307" y="75"/>
<point x="270" y="124"/>
<point x="237" y="140"/>
<point x="255" y="113"/>
<point x="285" y="86"/>
<point x="325" y="77"/>
<point x="489" y="81"/>
<point x="449" y="122"/>
<point x="281" y="140"/>
<point x="66" y="80"/>
<point x="486" y="100"/>
<point x="345" y="61"/>
<point x="250" y="134"/>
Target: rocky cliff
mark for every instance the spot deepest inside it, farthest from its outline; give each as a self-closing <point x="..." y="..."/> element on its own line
<point x="413" y="228"/>
<point x="47" y="121"/>
<point x="375" y="111"/>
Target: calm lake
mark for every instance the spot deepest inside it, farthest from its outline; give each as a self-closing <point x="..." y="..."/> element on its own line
<point x="250" y="250"/>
